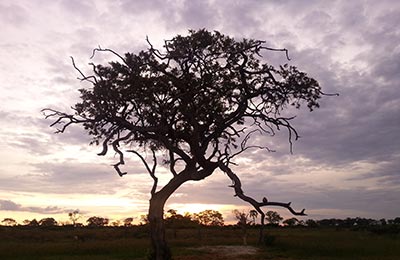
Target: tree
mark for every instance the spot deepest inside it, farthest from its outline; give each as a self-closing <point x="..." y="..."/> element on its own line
<point x="9" y="222"/>
<point x="144" y="220"/>
<point x="194" y="107"/>
<point x="273" y="217"/>
<point x="47" y="222"/>
<point x="253" y="214"/>
<point x="209" y="217"/>
<point x="128" y="222"/>
<point x="74" y="216"/>
<point x="32" y="223"/>
<point x="243" y="222"/>
<point x="97" y="221"/>
<point x="116" y="223"/>
<point x="311" y="223"/>
<point x="291" y="222"/>
<point x="175" y="220"/>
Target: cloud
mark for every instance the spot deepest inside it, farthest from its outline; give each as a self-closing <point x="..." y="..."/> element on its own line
<point x="8" y="205"/>
<point x="13" y="14"/>
<point x="349" y="47"/>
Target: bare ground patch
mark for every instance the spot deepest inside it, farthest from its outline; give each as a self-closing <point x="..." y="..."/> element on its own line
<point x="221" y="253"/>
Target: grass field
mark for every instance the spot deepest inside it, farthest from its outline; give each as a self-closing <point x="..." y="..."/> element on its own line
<point x="132" y="243"/>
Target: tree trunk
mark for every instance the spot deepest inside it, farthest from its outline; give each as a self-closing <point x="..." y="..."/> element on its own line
<point x="159" y="246"/>
<point x="160" y="249"/>
<point x="262" y="226"/>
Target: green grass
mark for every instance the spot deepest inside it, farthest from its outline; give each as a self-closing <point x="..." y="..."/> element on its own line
<point x="334" y="244"/>
<point x="132" y="243"/>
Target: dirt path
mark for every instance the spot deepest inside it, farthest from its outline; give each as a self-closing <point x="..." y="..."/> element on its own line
<point x="222" y="253"/>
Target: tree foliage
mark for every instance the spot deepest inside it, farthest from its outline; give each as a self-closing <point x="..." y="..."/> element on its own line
<point x="74" y="216"/>
<point x="192" y="101"/>
<point x="273" y="217"/>
<point x="97" y="221"/>
<point x="209" y="217"/>
<point x="175" y="220"/>
<point x="9" y="222"/>
<point x="128" y="222"/>
<point x="47" y="222"/>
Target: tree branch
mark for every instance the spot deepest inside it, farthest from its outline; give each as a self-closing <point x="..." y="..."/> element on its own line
<point x="115" y="145"/>
<point x="107" y="50"/>
<point x="237" y="186"/>
<point x="151" y="171"/>
<point x="48" y="112"/>
<point x="91" y="79"/>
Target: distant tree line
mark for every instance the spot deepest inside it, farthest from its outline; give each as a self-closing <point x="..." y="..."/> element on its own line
<point x="172" y="219"/>
<point x="211" y="218"/>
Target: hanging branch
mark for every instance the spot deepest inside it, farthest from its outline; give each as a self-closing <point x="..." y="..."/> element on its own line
<point x="115" y="145"/>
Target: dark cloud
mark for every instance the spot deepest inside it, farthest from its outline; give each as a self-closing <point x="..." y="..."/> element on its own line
<point x="76" y="177"/>
<point x="8" y="205"/>
<point x="73" y="177"/>
<point x="386" y="172"/>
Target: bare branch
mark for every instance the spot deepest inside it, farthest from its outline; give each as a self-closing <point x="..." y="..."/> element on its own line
<point x="151" y="171"/>
<point x="273" y="49"/>
<point x="91" y="79"/>
<point x="99" y="49"/>
<point x="237" y="186"/>
<point x="71" y="119"/>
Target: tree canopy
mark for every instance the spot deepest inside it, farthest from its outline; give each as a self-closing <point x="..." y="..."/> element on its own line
<point x="192" y="100"/>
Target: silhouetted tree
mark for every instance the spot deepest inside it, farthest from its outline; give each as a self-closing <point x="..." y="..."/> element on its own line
<point x="116" y="223"/>
<point x="128" y="222"/>
<point x="253" y="214"/>
<point x="194" y="107"/>
<point x="291" y="222"/>
<point x="9" y="222"/>
<point x="47" y="222"/>
<point x="209" y="217"/>
<point x="144" y="220"/>
<point x="311" y="223"/>
<point x="74" y="216"/>
<point x="175" y="220"/>
<point x="33" y="223"/>
<point x="273" y="217"/>
<point x="97" y="221"/>
<point x="243" y="222"/>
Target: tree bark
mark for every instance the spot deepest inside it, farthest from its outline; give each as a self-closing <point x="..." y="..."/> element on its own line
<point x="159" y="246"/>
<point x="160" y="249"/>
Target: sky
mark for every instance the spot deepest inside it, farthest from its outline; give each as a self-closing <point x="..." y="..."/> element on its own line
<point x="346" y="163"/>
